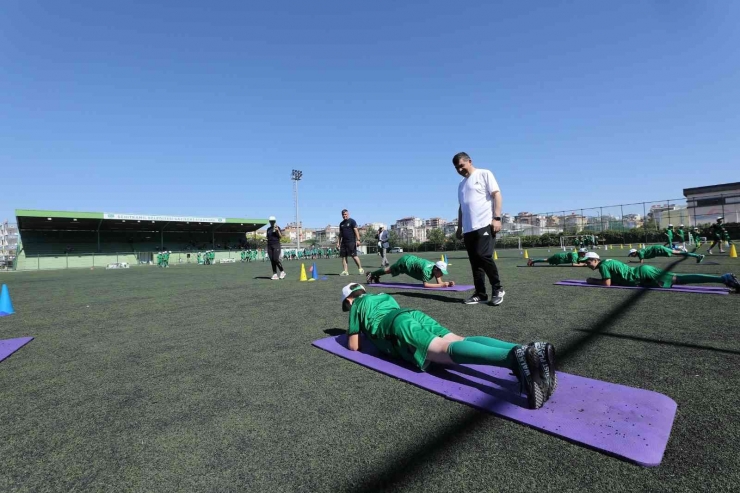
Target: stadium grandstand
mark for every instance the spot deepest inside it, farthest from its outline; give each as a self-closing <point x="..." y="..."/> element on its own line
<point x="62" y="239"/>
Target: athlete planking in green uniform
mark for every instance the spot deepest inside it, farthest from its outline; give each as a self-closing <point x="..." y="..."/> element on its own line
<point x="420" y="269"/>
<point x="561" y="258"/>
<point x="614" y="272"/>
<point x="417" y="338"/>
<point x="661" y="251"/>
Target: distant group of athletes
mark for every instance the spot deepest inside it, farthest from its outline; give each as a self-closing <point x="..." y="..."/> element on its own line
<point x="616" y="273"/>
<point x="314" y="253"/>
<point x="716" y="235"/>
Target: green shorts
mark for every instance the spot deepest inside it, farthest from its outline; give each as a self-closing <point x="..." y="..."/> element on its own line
<point x="653" y="277"/>
<point x="412" y="333"/>
<point x="399" y="266"/>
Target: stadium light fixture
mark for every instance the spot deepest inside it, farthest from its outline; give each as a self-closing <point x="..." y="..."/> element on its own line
<point x="48" y="219"/>
<point x="296" y="176"/>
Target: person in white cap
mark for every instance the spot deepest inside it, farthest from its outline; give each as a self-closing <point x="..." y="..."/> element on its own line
<point x="661" y="251"/>
<point x="719" y="233"/>
<point x="383" y="246"/>
<point x="614" y="272"/>
<point x="669" y="234"/>
<point x="681" y="235"/>
<point x="420" y="269"/>
<point x="416" y="337"/>
<point x="573" y="259"/>
<point x="274" y="249"/>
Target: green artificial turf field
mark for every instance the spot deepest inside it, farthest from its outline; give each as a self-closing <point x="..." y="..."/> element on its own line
<point x="203" y="378"/>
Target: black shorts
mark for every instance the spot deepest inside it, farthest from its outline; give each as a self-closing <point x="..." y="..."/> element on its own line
<point x="348" y="250"/>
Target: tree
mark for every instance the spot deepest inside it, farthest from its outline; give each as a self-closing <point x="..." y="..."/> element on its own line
<point x="368" y="237"/>
<point x="313" y="242"/>
<point x="285" y="239"/>
<point x="393" y="238"/>
<point x="436" y="237"/>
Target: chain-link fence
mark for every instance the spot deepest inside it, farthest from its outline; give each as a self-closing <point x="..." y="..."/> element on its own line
<point x="640" y="222"/>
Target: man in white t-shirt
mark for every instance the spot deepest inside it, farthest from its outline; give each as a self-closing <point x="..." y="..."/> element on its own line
<point x="478" y="221"/>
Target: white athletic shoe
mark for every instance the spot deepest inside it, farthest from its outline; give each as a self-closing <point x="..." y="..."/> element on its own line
<point x="282" y="275"/>
<point x="344" y="273"/>
<point x="361" y="271"/>
<point x="274" y="277"/>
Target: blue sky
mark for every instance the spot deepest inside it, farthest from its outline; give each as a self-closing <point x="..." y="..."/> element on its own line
<point x="204" y="108"/>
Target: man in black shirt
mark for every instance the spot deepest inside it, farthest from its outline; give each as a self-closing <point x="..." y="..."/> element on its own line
<point x="274" y="233"/>
<point x="348" y="241"/>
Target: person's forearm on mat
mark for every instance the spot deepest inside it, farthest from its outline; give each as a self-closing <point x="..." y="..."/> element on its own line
<point x="599" y="282"/>
<point x="441" y="284"/>
<point x="353" y="342"/>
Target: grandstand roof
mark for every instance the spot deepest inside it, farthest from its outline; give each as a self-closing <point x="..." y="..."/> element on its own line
<point x="107" y="221"/>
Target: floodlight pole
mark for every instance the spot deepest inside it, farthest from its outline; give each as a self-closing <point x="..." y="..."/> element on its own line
<point x="296" y="176"/>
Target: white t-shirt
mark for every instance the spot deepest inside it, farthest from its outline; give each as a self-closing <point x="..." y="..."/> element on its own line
<point x="474" y="195"/>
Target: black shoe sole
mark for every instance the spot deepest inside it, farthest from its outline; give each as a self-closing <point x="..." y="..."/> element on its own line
<point x="537" y="393"/>
<point x="550" y="358"/>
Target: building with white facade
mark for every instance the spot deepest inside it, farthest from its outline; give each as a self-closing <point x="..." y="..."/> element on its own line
<point x="410" y="230"/>
<point x="435" y="222"/>
<point x="8" y="243"/>
<point x="706" y="204"/>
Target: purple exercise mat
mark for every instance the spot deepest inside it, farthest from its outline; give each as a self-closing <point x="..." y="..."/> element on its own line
<point x="9" y="346"/>
<point x="405" y="285"/>
<point x="625" y="422"/>
<point x="677" y="289"/>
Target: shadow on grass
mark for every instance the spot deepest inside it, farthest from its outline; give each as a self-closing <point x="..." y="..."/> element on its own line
<point x="334" y="332"/>
<point x="428" y="296"/>
<point x="668" y="343"/>
<point x="547" y="265"/>
<point x="406" y="465"/>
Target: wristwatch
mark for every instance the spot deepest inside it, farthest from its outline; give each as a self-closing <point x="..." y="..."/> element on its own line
<point x="497" y="218"/>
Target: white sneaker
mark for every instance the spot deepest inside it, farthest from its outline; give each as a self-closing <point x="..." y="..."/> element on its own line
<point x="274" y="277"/>
<point x="344" y="273"/>
<point x="361" y="271"/>
<point x="282" y="275"/>
<point x="497" y="298"/>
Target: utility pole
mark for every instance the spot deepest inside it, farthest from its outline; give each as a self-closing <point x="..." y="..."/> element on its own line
<point x="296" y="176"/>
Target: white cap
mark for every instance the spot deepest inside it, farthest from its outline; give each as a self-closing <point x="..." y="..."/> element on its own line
<point x="593" y="255"/>
<point x="681" y="226"/>
<point x="670" y="225"/>
<point x="633" y="250"/>
<point x="582" y="250"/>
<point x="441" y="266"/>
<point x="347" y="290"/>
<point x="272" y="218"/>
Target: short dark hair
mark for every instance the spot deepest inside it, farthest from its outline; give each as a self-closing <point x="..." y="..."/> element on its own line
<point x="344" y="210"/>
<point x="460" y="156"/>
